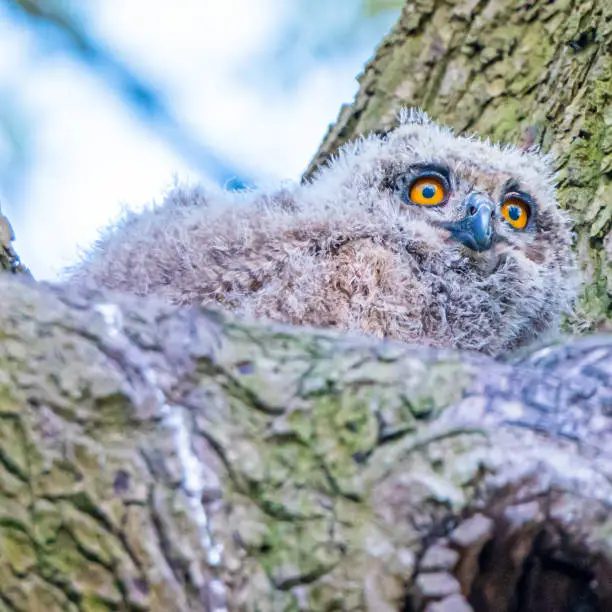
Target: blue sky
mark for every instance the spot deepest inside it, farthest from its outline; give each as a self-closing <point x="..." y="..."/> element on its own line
<point x="255" y="81"/>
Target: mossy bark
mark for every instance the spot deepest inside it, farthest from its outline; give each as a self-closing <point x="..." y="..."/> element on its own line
<point x="9" y="261"/>
<point x="159" y="458"/>
<point x="537" y="72"/>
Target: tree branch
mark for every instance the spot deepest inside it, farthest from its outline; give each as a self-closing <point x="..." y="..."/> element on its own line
<point x="157" y="458"/>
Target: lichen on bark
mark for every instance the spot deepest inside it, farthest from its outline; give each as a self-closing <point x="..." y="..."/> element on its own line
<point x="163" y="458"/>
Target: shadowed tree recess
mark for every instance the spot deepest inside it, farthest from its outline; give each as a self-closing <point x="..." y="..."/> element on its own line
<point x="157" y="458"/>
<point x="536" y="72"/>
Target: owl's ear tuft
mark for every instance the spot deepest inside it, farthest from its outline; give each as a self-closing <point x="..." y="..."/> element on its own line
<point x="413" y="116"/>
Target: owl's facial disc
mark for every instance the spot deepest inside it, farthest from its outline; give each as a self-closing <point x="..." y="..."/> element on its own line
<point x="475" y="229"/>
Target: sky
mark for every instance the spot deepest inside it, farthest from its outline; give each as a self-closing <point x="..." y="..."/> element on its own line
<point x="256" y="82"/>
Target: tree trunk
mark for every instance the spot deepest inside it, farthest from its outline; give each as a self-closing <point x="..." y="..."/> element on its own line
<point x="159" y="458"/>
<point x="533" y="72"/>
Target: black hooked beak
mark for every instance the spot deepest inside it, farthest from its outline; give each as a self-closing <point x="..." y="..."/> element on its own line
<point x="475" y="229"/>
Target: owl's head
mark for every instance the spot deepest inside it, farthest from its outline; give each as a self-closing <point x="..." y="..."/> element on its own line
<point x="486" y="212"/>
<point x="480" y="195"/>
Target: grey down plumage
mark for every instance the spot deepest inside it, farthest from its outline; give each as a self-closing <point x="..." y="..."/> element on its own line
<point x="349" y="248"/>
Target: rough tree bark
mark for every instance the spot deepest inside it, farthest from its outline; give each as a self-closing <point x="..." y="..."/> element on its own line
<point x="528" y="72"/>
<point x="9" y="261"/>
<point x="157" y="458"/>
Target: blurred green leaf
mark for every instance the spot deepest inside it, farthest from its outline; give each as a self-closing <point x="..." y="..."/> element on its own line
<point x="373" y="7"/>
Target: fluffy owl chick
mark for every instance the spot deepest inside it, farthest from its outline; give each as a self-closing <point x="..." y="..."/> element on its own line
<point x="417" y="235"/>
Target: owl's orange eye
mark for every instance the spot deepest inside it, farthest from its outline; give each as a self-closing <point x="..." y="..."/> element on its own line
<point x="428" y="191"/>
<point x="516" y="212"/>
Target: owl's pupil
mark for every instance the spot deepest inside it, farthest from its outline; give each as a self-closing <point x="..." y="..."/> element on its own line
<point x="514" y="212"/>
<point x="429" y="191"/>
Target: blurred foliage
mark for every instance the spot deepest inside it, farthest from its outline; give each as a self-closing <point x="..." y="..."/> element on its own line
<point x="374" y="7"/>
<point x="326" y="31"/>
<point x="319" y="29"/>
<point x="63" y="29"/>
